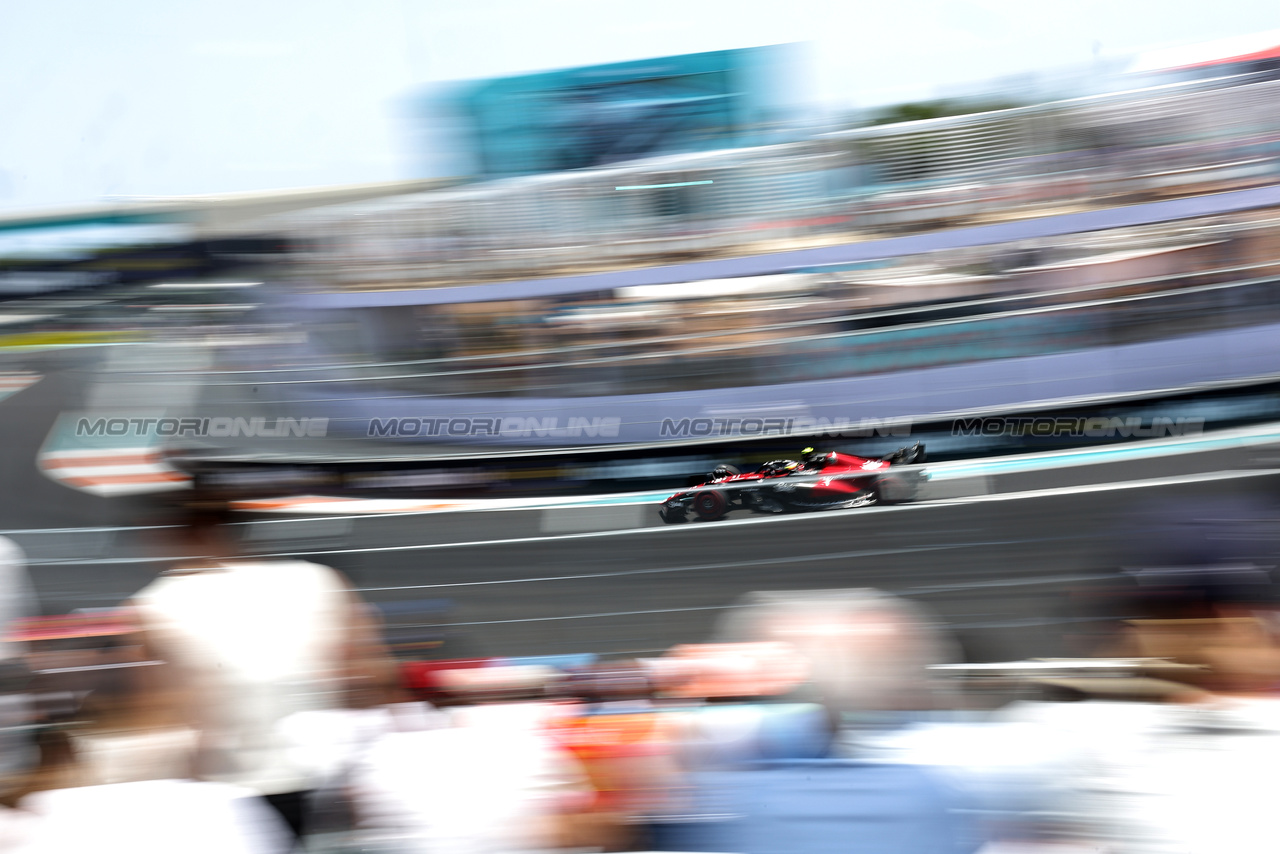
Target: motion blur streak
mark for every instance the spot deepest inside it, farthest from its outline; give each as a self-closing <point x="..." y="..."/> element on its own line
<point x="684" y="471"/>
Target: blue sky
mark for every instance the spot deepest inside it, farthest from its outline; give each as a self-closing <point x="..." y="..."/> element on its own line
<point x="147" y="98"/>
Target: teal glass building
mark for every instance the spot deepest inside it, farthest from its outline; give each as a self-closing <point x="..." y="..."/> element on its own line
<point x="599" y="115"/>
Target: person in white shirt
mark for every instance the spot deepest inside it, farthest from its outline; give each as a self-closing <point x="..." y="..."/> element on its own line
<point x="145" y="817"/>
<point x="116" y="784"/>
<point x="251" y="643"/>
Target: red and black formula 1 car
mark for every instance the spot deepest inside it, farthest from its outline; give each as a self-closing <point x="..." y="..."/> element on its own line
<point x="820" y="481"/>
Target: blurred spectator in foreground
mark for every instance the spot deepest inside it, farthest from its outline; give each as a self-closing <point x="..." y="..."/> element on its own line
<point x="289" y="689"/>
<point x="478" y="780"/>
<point x="16" y="602"/>
<point x="250" y="643"/>
<point x="1186" y="769"/>
<point x="114" y="772"/>
<point x="1177" y="759"/>
<point x="867" y="655"/>
<point x="464" y="779"/>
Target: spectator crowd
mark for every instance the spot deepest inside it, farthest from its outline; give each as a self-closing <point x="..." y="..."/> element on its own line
<point x="242" y="705"/>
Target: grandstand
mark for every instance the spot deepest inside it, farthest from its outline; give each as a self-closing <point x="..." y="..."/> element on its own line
<point x="1164" y="142"/>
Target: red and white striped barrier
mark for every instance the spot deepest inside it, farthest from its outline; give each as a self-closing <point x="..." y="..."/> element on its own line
<point x="119" y="471"/>
<point x="14" y="383"/>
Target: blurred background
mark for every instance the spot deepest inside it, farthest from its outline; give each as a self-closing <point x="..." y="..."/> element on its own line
<point x="358" y="352"/>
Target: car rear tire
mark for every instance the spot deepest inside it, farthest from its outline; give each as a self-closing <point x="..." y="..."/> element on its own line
<point x="710" y="505"/>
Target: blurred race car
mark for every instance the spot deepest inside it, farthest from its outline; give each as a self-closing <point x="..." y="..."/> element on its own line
<point x="819" y="481"/>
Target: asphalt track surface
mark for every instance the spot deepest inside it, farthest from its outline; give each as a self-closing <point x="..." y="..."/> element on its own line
<point x="27" y="498"/>
<point x="1010" y="571"/>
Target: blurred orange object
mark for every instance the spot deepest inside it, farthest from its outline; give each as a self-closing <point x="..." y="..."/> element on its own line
<point x="627" y="758"/>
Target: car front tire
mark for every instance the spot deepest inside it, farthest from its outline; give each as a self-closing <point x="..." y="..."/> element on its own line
<point x="710" y="505"/>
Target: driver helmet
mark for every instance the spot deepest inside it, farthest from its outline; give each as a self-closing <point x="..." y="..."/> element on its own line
<point x="815" y="459"/>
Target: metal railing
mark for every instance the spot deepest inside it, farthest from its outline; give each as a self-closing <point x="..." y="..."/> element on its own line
<point x="841" y="346"/>
<point x="1154" y="143"/>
